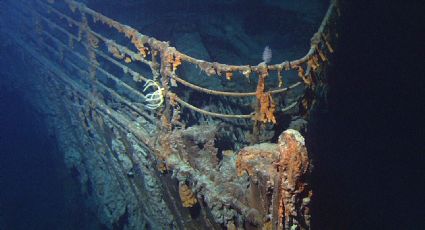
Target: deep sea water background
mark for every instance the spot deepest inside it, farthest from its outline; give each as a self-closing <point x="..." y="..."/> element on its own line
<point x="368" y="148"/>
<point x="36" y="191"/>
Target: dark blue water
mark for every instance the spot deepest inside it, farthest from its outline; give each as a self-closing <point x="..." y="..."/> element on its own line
<point x="369" y="149"/>
<point x="36" y="192"/>
<point x="31" y="189"/>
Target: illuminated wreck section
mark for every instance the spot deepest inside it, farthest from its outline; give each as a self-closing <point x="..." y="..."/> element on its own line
<point x="155" y="143"/>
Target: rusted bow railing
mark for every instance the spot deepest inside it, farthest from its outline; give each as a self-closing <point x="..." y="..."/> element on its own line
<point x="163" y="61"/>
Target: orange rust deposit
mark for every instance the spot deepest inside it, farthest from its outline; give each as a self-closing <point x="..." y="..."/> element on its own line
<point x="176" y="63"/>
<point x="186" y="195"/>
<point x="229" y="75"/>
<point x="306" y="78"/>
<point x="138" y="43"/>
<point x="267" y="106"/>
<point x="295" y="192"/>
